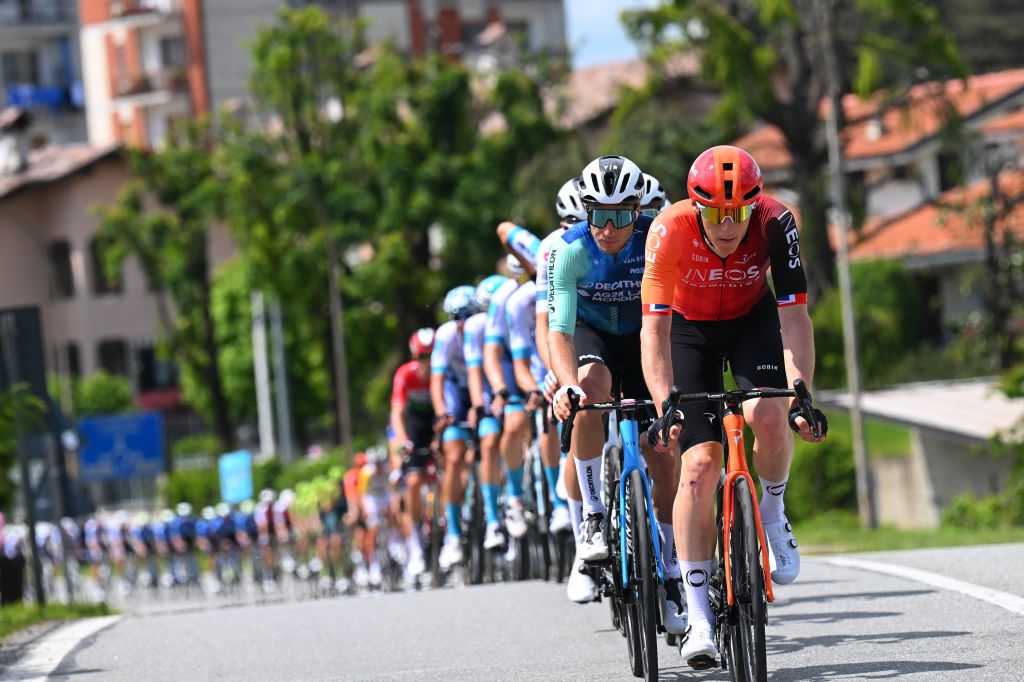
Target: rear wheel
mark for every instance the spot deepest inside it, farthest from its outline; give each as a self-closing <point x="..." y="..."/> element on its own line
<point x="747" y="638"/>
<point x="612" y="469"/>
<point x="477" y="553"/>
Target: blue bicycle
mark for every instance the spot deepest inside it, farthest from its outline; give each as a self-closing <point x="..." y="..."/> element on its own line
<point x="632" y="573"/>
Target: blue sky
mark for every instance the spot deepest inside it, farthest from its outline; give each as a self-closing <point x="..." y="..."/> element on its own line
<point x="595" y="34"/>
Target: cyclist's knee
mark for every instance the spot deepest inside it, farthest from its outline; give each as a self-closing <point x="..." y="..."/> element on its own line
<point x="768" y="421"/>
<point x="701" y="464"/>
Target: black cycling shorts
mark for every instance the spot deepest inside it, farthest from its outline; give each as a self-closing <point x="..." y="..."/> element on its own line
<point x="621" y="355"/>
<point x="752" y="345"/>
<point x="419" y="426"/>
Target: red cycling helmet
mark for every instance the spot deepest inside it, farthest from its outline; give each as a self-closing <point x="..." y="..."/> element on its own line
<point x="724" y="177"/>
<point x="360" y="459"/>
<point x="421" y="342"/>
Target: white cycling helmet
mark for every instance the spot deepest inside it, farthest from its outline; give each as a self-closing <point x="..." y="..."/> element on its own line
<point x="568" y="204"/>
<point x="654" y="195"/>
<point x="376" y="454"/>
<point x="208" y="513"/>
<point x="460" y="302"/>
<point x="610" y="180"/>
<point x="487" y="288"/>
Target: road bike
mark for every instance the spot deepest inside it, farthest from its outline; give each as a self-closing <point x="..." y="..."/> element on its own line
<point x="741" y="586"/>
<point x="632" y="574"/>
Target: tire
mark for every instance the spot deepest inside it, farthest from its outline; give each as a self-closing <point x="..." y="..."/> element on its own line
<point x="436" y="538"/>
<point x="522" y="565"/>
<point x="747" y="638"/>
<point x="477" y="553"/>
<point x="616" y="603"/>
<point x="644" y="578"/>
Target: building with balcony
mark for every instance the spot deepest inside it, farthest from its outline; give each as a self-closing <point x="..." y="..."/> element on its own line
<point x="144" y="67"/>
<point x="40" y="67"/>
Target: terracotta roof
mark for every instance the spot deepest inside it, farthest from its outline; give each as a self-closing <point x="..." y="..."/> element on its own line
<point x="52" y="163"/>
<point x="900" y="127"/>
<point x="594" y="90"/>
<point x="942" y="227"/>
<point x="1010" y="122"/>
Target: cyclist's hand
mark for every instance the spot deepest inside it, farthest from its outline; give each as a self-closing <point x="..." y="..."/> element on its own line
<point x="549" y="386"/>
<point x="657" y="429"/>
<point x="561" y="404"/>
<point x="394" y="477"/>
<point x="474" y="416"/>
<point x="498" y="403"/>
<point x="799" y="424"/>
<point x="443" y="421"/>
<point x="405" y="449"/>
<point x="535" y="400"/>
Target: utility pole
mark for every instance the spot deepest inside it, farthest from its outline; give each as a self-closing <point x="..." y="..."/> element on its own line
<point x="281" y="398"/>
<point x="8" y="335"/>
<point x="837" y="190"/>
<point x="265" y="417"/>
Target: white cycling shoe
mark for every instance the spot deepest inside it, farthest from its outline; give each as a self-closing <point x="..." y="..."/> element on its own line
<point x="560" y="521"/>
<point x="416" y="565"/>
<point x="493" y="537"/>
<point x="673" y="606"/>
<point x="376" y="577"/>
<point x="580" y="587"/>
<point x="592" y="545"/>
<point x="451" y="552"/>
<point x="515" y="518"/>
<point x="783" y="555"/>
<point x="699" y="650"/>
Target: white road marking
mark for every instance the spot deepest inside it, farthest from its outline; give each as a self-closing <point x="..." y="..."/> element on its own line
<point x="45" y="655"/>
<point x="1003" y="600"/>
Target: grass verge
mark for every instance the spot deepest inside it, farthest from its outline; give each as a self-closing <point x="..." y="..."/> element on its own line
<point x="19" y="616"/>
<point x="841" y="532"/>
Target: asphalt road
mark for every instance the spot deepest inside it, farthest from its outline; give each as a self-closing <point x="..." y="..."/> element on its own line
<point x="835" y="623"/>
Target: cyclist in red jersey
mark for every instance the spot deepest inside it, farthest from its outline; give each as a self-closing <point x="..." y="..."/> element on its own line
<point x="706" y="300"/>
<point x="412" y="416"/>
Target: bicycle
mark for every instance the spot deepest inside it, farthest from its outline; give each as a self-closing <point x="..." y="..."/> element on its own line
<point x="634" y="564"/>
<point x="743" y="573"/>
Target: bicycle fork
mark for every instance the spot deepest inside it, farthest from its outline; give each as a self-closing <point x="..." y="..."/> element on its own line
<point x="631" y="461"/>
<point x="733" y="423"/>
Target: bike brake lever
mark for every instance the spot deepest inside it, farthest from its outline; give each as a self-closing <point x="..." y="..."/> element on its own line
<point x="803" y="396"/>
<point x="672" y="405"/>
<point x="574" y="403"/>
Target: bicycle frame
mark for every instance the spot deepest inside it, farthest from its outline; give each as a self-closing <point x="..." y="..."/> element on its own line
<point x="628" y="431"/>
<point x="736" y="467"/>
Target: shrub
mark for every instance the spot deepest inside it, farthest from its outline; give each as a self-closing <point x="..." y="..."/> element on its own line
<point x="200" y="487"/>
<point x="101" y="393"/>
<point x="202" y="444"/>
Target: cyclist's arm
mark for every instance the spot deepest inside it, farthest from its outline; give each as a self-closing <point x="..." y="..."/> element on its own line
<point x="520" y="243"/>
<point x="492" y="365"/>
<point x="476" y="384"/>
<point x="797" y="343"/>
<point x="472" y="351"/>
<point x="438" y="368"/>
<point x="562" y="281"/>
<point x="437" y="394"/>
<point x="657" y="290"/>
<point x="542" y="338"/>
<point x="398" y="406"/>
<point x="495" y="333"/>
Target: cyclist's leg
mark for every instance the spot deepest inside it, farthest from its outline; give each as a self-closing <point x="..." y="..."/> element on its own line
<point x="757" y="360"/>
<point x="513" y="445"/>
<point x="489" y="437"/>
<point x="697" y="368"/>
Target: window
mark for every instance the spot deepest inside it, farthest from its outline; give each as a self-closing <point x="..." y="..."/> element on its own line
<point x="63" y="281"/>
<point x="112" y="356"/>
<point x="20" y="67"/>
<point x="101" y="282"/>
<point x="153" y="371"/>
<point x="951" y="171"/>
<point x="172" y="52"/>
<point x="74" y="364"/>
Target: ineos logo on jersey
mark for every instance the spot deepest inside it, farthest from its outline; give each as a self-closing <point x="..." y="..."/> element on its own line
<point x="697" y="577"/>
<point x="736" y="276"/>
<point x="654" y="236"/>
<point x="792" y="239"/>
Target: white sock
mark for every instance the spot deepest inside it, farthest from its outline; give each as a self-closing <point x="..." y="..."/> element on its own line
<point x="590" y="475"/>
<point x="576" y="516"/>
<point x="697" y="576"/>
<point x="413" y="544"/>
<point x="669" y="558"/>
<point x="772" y="505"/>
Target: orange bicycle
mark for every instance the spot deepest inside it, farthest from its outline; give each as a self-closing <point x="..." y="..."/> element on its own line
<point x="743" y="576"/>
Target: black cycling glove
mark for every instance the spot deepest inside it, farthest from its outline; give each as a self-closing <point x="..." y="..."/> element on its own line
<point x="657" y="428"/>
<point x="818" y="415"/>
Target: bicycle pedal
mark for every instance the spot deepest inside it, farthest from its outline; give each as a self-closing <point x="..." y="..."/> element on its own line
<point x="702" y="662"/>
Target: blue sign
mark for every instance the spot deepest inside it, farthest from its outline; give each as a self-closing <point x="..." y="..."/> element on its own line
<point x="121" y="447"/>
<point x="235" y="476"/>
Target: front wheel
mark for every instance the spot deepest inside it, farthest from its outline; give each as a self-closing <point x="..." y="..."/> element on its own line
<point x="643" y="586"/>
<point x="747" y="638"/>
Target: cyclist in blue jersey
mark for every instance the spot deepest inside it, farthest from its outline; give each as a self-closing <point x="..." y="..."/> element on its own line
<point x="508" y="400"/>
<point x="481" y="416"/>
<point x="579" y="587"/>
<point x="594" y="319"/>
<point x="529" y="373"/>
<point x="449" y="394"/>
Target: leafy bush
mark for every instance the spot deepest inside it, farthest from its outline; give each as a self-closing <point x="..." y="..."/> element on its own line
<point x="822" y="478"/>
<point x="200" y="487"/>
<point x="887" y="307"/>
<point x="202" y="444"/>
<point x="101" y="393"/>
<point x="305" y="469"/>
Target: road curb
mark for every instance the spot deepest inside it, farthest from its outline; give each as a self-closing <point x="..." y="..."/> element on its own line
<point x="1003" y="600"/>
<point x="47" y="653"/>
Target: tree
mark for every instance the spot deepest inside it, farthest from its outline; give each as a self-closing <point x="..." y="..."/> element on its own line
<point x="766" y="59"/>
<point x="21" y="412"/>
<point x="164" y="218"/>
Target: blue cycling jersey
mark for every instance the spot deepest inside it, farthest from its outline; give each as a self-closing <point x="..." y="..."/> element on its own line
<point x="600" y="289"/>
